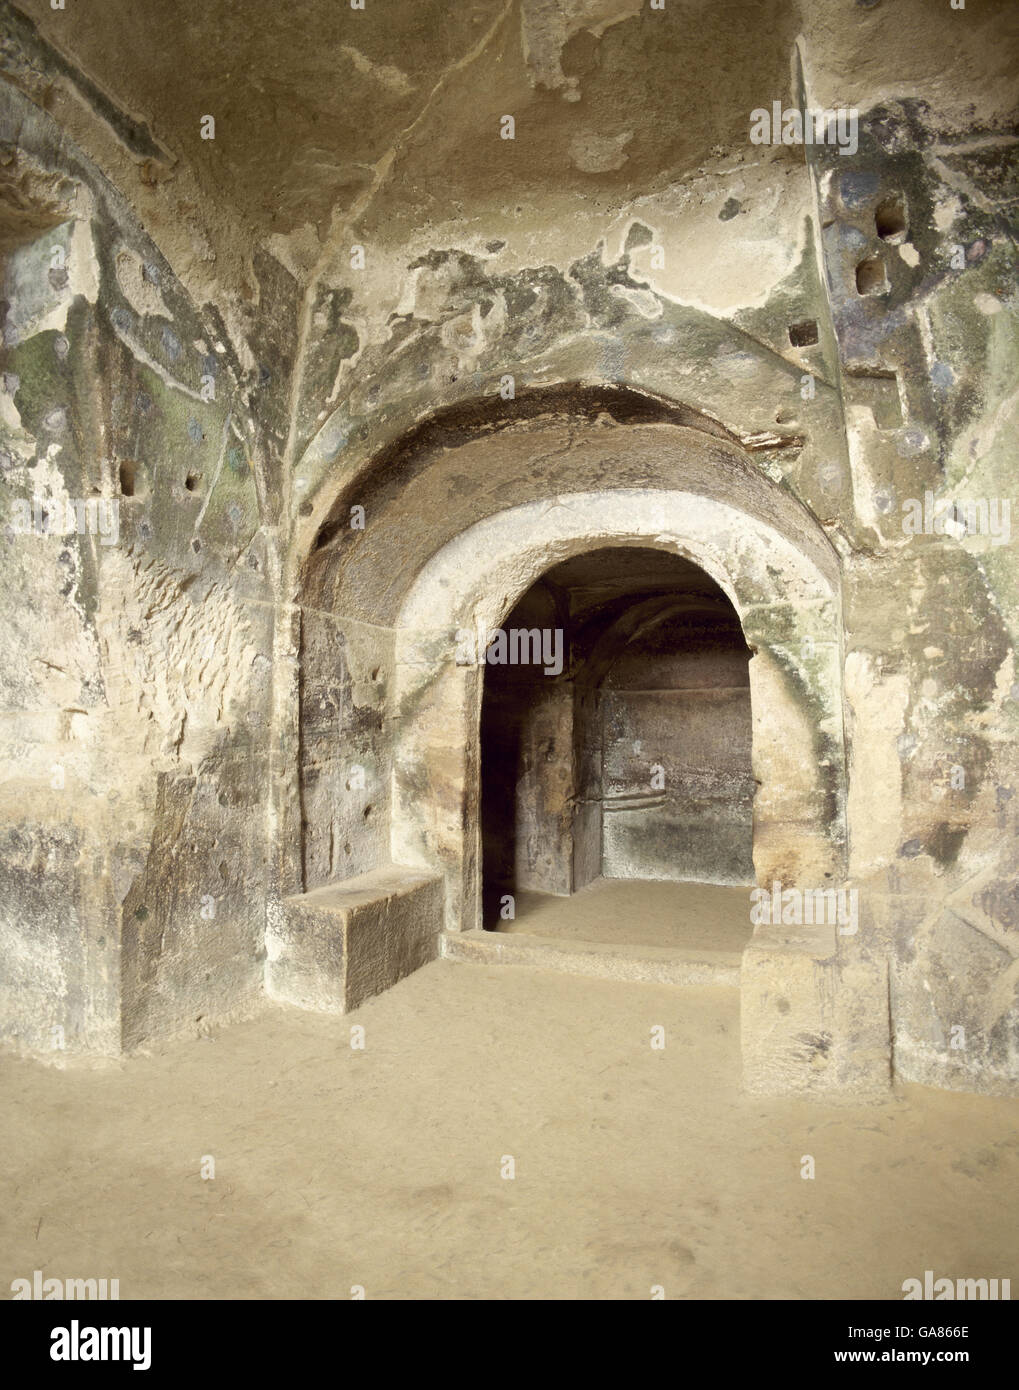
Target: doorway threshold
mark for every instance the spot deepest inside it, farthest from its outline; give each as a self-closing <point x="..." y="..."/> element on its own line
<point x="662" y="965"/>
<point x="650" y="930"/>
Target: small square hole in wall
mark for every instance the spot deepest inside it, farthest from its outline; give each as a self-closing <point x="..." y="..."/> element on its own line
<point x="871" y="277"/>
<point x="803" y="334"/>
<point x="890" y="220"/>
<point x="191" y="482"/>
<point x="127" y="478"/>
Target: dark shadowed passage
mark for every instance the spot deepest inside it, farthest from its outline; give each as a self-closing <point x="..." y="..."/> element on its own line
<point x="627" y="755"/>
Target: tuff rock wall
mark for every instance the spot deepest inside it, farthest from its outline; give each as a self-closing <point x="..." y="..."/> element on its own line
<point x="311" y="353"/>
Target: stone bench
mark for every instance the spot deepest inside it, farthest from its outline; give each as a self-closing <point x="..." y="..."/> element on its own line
<point x="339" y="944"/>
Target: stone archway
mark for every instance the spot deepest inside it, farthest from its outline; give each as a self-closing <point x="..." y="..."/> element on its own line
<point x="470" y="585"/>
<point x="383" y="823"/>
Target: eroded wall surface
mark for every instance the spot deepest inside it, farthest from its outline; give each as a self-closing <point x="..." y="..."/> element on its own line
<point x="137" y="625"/>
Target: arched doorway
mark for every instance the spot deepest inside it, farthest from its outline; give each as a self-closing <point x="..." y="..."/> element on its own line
<point x="469" y="586"/>
<point x="616" y="748"/>
<point x="391" y="826"/>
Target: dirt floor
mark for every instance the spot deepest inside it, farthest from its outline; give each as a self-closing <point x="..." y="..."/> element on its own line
<point x="382" y="1167"/>
<point x="690" y="916"/>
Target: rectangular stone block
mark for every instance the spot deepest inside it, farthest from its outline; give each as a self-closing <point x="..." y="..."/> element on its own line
<point x="338" y="945"/>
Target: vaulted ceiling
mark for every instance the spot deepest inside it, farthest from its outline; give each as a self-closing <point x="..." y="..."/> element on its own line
<point x="382" y="119"/>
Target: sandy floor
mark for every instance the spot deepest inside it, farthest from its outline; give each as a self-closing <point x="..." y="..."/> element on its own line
<point x="382" y="1168"/>
<point x="637" y="912"/>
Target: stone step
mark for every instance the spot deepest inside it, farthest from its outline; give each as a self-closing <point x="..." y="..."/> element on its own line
<point x="659" y="965"/>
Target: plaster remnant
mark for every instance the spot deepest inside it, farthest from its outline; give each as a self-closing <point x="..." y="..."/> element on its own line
<point x="598" y="154"/>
